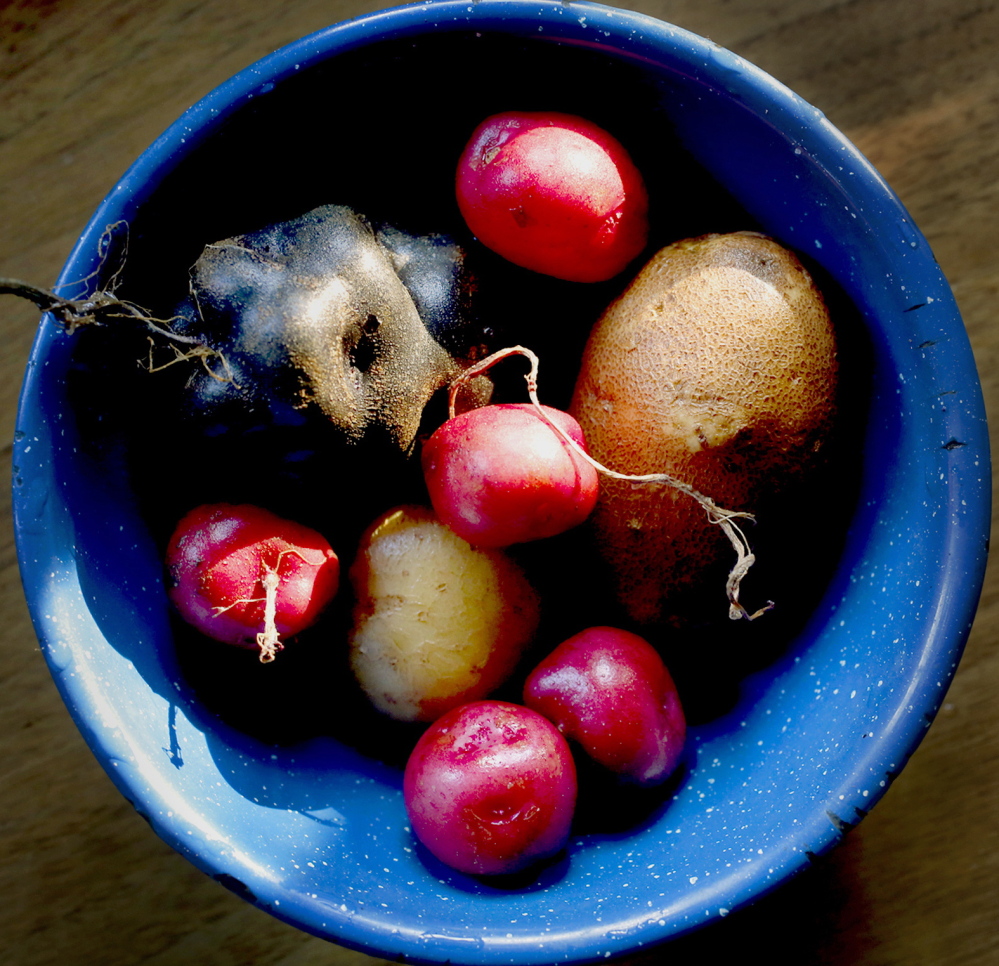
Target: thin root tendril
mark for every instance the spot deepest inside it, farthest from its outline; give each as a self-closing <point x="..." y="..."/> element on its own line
<point x="103" y="306"/>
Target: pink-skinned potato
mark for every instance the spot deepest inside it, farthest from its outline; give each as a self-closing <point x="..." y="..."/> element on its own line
<point x="245" y="576"/>
<point x="499" y="475"/>
<point x="609" y="691"/>
<point x="437" y="622"/>
<point x="554" y="193"/>
<point x="490" y="788"/>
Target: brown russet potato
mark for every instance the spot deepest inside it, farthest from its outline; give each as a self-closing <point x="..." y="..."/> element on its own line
<point x="437" y="622"/>
<point x="718" y="366"/>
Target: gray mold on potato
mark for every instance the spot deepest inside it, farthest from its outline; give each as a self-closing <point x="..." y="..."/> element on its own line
<point x="328" y="314"/>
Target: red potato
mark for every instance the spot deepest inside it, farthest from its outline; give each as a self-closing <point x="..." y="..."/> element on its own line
<point x="500" y="475"/>
<point x="553" y="193"/>
<point x="244" y="576"/>
<point x="490" y="788"/>
<point x="608" y="690"/>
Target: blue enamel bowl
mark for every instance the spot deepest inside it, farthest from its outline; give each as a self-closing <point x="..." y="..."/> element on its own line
<point x="314" y="831"/>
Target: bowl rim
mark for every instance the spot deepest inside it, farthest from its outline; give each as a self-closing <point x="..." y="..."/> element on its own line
<point x="622" y="33"/>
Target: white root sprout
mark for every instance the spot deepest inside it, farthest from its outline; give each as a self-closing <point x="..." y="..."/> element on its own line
<point x="716" y="514"/>
<point x="268" y="640"/>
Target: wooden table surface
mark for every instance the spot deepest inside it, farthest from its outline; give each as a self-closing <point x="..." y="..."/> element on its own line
<point x="88" y="84"/>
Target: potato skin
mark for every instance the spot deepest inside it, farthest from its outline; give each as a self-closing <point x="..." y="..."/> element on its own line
<point x="718" y="366"/>
<point x="437" y="622"/>
<point x="490" y="788"/>
<point x="329" y="317"/>
<point x="554" y="193"/>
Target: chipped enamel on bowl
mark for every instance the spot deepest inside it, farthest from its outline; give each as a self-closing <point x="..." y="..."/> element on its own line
<point x="316" y="834"/>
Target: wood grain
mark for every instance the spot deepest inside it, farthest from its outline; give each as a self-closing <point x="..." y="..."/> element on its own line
<point x="86" y="85"/>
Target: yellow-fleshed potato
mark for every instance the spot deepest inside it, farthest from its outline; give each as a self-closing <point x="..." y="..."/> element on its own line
<point x="437" y="621"/>
<point x="717" y="366"/>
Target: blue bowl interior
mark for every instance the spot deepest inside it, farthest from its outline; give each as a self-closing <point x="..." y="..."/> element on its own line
<point x="812" y="725"/>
